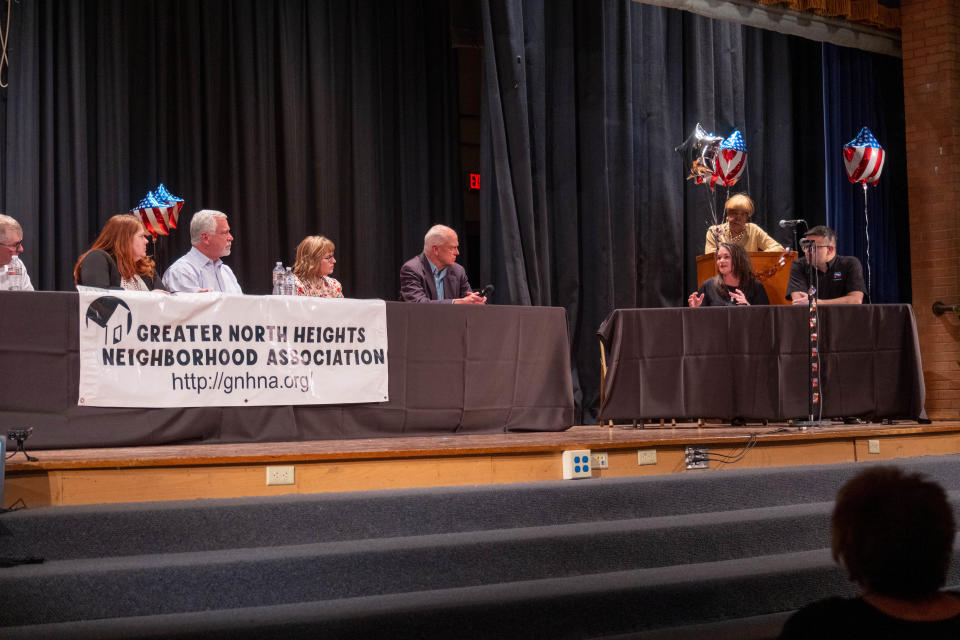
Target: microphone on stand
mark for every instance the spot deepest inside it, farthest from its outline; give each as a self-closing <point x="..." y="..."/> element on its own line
<point x="792" y="223"/>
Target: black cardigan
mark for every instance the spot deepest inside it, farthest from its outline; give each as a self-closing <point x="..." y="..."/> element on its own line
<point x="99" y="269"/>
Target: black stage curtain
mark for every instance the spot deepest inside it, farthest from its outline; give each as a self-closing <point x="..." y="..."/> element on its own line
<point x="340" y="118"/>
<point x="585" y="201"/>
<point x="294" y="117"/>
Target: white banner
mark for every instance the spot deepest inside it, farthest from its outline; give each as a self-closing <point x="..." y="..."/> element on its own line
<point x="204" y="349"/>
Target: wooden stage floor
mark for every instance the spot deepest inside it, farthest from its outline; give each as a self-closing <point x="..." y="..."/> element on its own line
<point x="179" y="472"/>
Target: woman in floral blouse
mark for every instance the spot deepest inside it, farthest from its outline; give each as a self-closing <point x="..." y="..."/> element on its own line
<point x="313" y="267"/>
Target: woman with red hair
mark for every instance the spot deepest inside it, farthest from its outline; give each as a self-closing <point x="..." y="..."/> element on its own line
<point x="118" y="258"/>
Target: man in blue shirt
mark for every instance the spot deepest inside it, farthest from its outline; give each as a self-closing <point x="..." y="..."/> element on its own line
<point x="434" y="275"/>
<point x="201" y="269"/>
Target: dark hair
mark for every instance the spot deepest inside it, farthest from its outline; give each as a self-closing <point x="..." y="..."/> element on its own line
<point x="742" y="268"/>
<point x="893" y="532"/>
<point x="824" y="232"/>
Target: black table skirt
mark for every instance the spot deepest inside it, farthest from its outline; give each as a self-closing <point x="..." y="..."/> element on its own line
<point x="453" y="369"/>
<point x="752" y="363"/>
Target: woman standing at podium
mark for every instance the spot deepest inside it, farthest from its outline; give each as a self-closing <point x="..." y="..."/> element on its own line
<point x="734" y="284"/>
<point x="738" y="230"/>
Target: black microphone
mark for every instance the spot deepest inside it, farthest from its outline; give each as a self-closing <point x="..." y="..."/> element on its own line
<point x="792" y="223"/>
<point x="487" y="291"/>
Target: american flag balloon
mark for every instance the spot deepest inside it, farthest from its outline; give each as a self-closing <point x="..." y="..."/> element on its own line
<point x="159" y="210"/>
<point x="174" y="204"/>
<point x="863" y="157"/>
<point x="731" y="160"/>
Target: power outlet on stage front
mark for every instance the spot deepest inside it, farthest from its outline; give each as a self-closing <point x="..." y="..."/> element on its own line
<point x="280" y="475"/>
<point x="696" y="458"/>
<point x="576" y="464"/>
<point x="599" y="460"/>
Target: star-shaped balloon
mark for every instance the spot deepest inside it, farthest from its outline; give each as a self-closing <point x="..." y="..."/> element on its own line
<point x="159" y="210"/>
<point x="699" y="153"/>
<point x="863" y="157"/>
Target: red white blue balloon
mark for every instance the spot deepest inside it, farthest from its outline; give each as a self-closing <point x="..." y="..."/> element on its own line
<point x="863" y="157"/>
<point x="731" y="160"/>
<point x="159" y="211"/>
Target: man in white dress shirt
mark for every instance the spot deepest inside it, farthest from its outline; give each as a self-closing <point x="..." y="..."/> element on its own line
<point x="13" y="277"/>
<point x="201" y="268"/>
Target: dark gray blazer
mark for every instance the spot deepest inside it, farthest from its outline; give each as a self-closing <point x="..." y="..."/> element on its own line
<point x="417" y="285"/>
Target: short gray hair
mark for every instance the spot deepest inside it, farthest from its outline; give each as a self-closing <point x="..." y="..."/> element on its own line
<point x="8" y="224"/>
<point x="437" y="234"/>
<point x="204" y="221"/>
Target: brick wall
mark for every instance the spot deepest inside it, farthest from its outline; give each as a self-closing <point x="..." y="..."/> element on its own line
<point x="931" y="82"/>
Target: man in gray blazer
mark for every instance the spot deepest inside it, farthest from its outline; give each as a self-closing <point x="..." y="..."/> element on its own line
<point x="434" y="275"/>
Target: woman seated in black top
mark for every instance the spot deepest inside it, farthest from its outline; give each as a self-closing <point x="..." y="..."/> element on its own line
<point x="734" y="284"/>
<point x="118" y="258"/>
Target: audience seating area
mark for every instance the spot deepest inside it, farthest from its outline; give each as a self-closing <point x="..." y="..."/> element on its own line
<point x="722" y="553"/>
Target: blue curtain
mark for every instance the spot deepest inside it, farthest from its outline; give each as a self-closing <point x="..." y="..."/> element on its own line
<point x="865" y="89"/>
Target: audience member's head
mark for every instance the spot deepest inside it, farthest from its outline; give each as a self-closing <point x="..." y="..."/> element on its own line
<point x="893" y="532"/>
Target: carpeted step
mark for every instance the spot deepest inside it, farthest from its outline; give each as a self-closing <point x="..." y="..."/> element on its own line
<point x="133" y="585"/>
<point x="520" y="554"/>
<point x="586" y="606"/>
<point x="197" y="525"/>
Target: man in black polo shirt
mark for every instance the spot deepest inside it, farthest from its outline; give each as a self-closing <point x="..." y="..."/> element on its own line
<point x="839" y="279"/>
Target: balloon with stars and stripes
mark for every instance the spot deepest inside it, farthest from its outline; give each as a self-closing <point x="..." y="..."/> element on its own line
<point x="731" y="160"/>
<point x="174" y="205"/>
<point x="863" y="157"/>
<point x="159" y="210"/>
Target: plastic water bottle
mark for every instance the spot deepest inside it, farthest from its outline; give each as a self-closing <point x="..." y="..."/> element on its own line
<point x="15" y="270"/>
<point x="278" y="274"/>
<point x="289" y="284"/>
<point x="15" y="267"/>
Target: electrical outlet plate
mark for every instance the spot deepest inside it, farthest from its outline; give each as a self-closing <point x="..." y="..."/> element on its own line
<point x="873" y="446"/>
<point x="599" y="460"/>
<point x="696" y="458"/>
<point x="576" y="464"/>
<point x="280" y="475"/>
<point x="646" y="456"/>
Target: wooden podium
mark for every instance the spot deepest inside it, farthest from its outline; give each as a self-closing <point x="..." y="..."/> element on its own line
<point x="763" y="262"/>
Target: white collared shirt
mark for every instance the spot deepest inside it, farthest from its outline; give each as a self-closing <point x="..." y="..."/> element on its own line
<point x="18" y="282"/>
<point x="195" y="271"/>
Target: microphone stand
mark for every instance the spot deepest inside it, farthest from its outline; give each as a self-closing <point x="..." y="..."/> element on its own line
<point x="814" y="395"/>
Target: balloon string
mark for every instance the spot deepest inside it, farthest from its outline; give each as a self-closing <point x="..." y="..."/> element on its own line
<point x="866" y="219"/>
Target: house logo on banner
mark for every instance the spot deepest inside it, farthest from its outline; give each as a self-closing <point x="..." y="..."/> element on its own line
<point x="142" y="349"/>
<point x="115" y="324"/>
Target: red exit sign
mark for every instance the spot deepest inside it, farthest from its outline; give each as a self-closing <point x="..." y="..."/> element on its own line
<point x="474" y="181"/>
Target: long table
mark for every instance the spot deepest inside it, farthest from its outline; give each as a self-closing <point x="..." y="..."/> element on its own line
<point x="751" y="362"/>
<point x="453" y="369"/>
